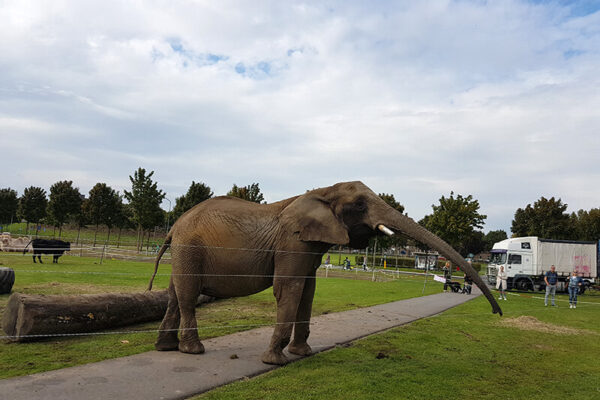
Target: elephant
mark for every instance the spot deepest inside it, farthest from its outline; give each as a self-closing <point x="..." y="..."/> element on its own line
<point x="227" y="247"/>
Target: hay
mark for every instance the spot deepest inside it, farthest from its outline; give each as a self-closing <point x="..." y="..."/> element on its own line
<point x="529" y="323"/>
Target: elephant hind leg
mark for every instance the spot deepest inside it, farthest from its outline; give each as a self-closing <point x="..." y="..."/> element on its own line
<point x="187" y="290"/>
<point x="167" y="335"/>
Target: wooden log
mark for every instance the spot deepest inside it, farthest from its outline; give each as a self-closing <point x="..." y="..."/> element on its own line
<point x="30" y="317"/>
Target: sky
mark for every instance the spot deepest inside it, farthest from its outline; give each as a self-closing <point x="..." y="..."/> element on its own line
<point x="495" y="99"/>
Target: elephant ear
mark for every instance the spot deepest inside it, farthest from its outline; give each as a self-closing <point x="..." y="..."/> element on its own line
<point x="314" y="221"/>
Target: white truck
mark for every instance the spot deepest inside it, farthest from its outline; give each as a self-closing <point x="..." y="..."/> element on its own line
<point x="527" y="259"/>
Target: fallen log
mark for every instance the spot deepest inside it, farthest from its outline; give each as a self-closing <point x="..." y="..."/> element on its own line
<point x="32" y="317"/>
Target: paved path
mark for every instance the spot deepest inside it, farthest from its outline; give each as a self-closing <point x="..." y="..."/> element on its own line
<point x="173" y="375"/>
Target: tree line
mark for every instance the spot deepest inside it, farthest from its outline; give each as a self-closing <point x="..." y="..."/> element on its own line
<point x="456" y="218"/>
<point x="137" y="208"/>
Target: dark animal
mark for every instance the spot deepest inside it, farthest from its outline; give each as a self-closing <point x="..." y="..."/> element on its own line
<point x="48" y="246"/>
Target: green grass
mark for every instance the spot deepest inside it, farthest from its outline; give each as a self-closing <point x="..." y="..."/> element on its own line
<point x="75" y="275"/>
<point x="464" y="353"/>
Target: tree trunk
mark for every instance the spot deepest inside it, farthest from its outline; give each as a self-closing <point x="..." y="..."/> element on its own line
<point x="95" y="233"/>
<point x="78" y="232"/>
<point x="32" y="317"/>
<point x="108" y="237"/>
<point x="119" y="237"/>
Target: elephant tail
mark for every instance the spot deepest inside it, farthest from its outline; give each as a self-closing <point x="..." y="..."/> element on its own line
<point x="162" y="250"/>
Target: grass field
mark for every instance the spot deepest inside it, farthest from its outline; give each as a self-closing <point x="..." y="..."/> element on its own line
<point x="532" y="352"/>
<point x="80" y="275"/>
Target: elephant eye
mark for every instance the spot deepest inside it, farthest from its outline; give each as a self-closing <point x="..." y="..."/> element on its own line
<point x="360" y="206"/>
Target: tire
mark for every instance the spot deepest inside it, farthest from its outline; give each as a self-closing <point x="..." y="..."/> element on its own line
<point x="7" y="279"/>
<point x="523" y="285"/>
<point x="582" y="289"/>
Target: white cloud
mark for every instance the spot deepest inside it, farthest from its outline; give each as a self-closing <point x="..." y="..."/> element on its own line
<point x="494" y="99"/>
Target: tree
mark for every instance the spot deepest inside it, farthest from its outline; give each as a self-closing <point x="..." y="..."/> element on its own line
<point x="102" y="207"/>
<point x="145" y="199"/>
<point x="9" y="203"/>
<point x="32" y="206"/>
<point x="197" y="193"/>
<point x="586" y="224"/>
<point x="65" y="202"/>
<point x="250" y="193"/>
<point x="494" y="237"/>
<point x="547" y="218"/>
<point x="455" y="220"/>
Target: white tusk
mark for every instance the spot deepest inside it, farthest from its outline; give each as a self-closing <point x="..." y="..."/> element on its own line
<point x="385" y="229"/>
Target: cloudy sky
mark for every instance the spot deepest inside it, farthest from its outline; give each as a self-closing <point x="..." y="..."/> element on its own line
<point x="500" y="100"/>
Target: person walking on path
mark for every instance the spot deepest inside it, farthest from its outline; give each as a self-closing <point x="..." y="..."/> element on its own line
<point x="551" y="279"/>
<point x="447" y="275"/>
<point x="574" y="284"/>
<point x="501" y="282"/>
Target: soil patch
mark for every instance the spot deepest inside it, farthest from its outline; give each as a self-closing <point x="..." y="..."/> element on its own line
<point x="529" y="323"/>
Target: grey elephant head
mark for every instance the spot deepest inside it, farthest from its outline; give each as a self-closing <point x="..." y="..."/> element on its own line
<point x="350" y="213"/>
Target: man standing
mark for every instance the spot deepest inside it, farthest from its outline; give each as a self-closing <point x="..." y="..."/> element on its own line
<point x="551" y="279"/>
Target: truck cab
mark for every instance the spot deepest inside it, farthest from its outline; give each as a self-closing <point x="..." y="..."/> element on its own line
<point x="516" y="255"/>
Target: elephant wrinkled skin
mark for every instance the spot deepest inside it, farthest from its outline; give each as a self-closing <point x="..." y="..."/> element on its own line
<point x="227" y="247"/>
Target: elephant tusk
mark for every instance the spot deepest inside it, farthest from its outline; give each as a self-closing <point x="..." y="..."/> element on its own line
<point x="385" y="229"/>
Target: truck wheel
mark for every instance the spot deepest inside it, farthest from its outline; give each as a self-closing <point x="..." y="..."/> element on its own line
<point x="581" y="289"/>
<point x="7" y="279"/>
<point x="523" y="285"/>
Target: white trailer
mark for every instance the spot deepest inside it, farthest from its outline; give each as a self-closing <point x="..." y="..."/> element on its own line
<point x="527" y="259"/>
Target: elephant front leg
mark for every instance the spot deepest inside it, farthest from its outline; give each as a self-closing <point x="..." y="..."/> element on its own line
<point x="288" y="292"/>
<point x="299" y="345"/>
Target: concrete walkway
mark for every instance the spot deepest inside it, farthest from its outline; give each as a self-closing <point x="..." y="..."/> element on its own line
<point x="174" y="375"/>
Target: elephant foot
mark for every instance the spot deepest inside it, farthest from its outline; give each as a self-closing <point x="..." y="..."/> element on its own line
<point x="274" y="357"/>
<point x="191" y="347"/>
<point x="166" y="345"/>
<point x="301" y="349"/>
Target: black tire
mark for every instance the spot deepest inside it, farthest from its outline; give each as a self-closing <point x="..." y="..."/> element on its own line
<point x="582" y="289"/>
<point x="7" y="279"/>
<point x="523" y="285"/>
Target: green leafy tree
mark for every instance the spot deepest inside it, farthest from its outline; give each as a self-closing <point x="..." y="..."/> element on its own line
<point x="32" y="206"/>
<point x="64" y="203"/>
<point x="494" y="237"/>
<point x="455" y="220"/>
<point x="9" y="203"/>
<point x="586" y="224"/>
<point x="547" y="218"/>
<point x="102" y="207"/>
<point x="144" y="199"/>
<point x="250" y="193"/>
<point x="123" y="219"/>
<point x="197" y="193"/>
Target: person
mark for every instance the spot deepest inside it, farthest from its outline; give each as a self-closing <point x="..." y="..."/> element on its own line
<point x="447" y="275"/>
<point x="574" y="284"/>
<point x="327" y="260"/>
<point x="468" y="285"/>
<point x="501" y="282"/>
<point x="551" y="279"/>
<point x="346" y="263"/>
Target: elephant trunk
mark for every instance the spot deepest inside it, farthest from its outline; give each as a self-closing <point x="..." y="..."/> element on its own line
<point x="409" y="227"/>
